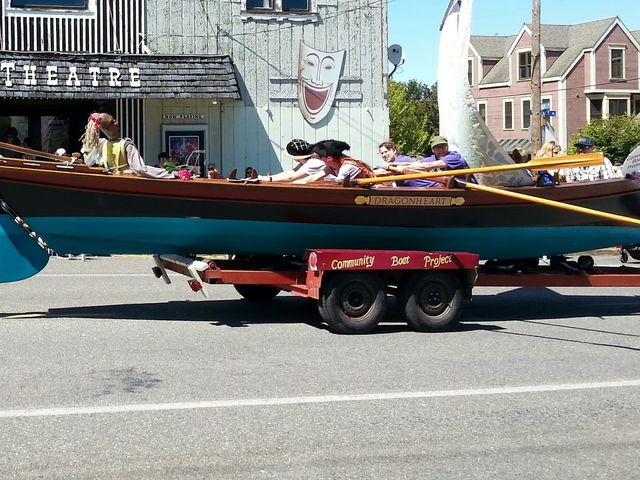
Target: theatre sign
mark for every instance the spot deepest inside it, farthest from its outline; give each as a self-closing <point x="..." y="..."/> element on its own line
<point x="106" y="76"/>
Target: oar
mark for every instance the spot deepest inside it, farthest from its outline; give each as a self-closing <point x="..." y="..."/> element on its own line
<point x="35" y="153"/>
<point x="549" y="203"/>
<point x="568" y="161"/>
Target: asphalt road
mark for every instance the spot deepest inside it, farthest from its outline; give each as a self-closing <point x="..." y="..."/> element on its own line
<point x="107" y="373"/>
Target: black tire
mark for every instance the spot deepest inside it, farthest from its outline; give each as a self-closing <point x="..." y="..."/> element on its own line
<point x="257" y="293"/>
<point x="352" y="302"/>
<point x="431" y="301"/>
<point x="624" y="258"/>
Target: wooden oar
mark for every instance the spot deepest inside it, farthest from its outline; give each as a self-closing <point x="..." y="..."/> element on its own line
<point x="35" y="153"/>
<point x="549" y="203"/>
<point x="568" y="161"/>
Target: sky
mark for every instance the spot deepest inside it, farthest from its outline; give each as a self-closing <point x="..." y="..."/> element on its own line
<point x="414" y="25"/>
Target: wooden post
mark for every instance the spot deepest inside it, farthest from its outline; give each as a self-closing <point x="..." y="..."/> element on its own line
<point x="536" y="79"/>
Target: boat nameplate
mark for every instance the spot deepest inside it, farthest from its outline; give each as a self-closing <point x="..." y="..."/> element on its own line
<point x="408" y="201"/>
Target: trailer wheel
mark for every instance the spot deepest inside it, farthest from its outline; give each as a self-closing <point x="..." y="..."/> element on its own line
<point x="431" y="301"/>
<point x="352" y="302"/>
<point x="257" y="293"/>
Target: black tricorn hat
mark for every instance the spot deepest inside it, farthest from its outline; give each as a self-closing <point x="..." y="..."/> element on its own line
<point x="330" y="148"/>
<point x="299" y="149"/>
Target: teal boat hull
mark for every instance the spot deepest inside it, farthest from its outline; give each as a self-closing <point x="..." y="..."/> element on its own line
<point x="103" y="235"/>
<point x="20" y="255"/>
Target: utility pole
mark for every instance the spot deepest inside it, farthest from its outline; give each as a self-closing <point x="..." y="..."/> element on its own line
<point x="536" y="79"/>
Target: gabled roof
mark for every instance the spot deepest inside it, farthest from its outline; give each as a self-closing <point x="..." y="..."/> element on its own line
<point x="572" y="40"/>
<point x="491" y="47"/>
<point x="636" y="34"/>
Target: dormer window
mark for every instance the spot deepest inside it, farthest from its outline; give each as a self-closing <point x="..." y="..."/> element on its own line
<point x="81" y="4"/>
<point x="524" y="65"/>
<point x="616" y="63"/>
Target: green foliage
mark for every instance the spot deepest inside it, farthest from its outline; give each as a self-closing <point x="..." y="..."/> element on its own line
<point x="413" y="112"/>
<point x="616" y="137"/>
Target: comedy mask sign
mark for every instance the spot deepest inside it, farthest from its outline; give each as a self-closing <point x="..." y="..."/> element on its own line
<point x="318" y="77"/>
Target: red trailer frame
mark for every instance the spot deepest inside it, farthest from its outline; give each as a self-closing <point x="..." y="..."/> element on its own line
<point x="350" y="285"/>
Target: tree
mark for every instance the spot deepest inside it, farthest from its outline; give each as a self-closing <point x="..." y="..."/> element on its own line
<point x="413" y="112"/>
<point x="616" y="137"/>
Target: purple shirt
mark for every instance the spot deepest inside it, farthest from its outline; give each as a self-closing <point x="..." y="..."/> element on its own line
<point x="453" y="160"/>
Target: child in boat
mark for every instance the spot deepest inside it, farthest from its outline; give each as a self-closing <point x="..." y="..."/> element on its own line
<point x="442" y="159"/>
<point x="115" y="153"/>
<point x="308" y="164"/>
<point x="341" y="166"/>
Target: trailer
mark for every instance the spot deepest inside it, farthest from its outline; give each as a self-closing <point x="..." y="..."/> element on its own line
<point x="351" y="286"/>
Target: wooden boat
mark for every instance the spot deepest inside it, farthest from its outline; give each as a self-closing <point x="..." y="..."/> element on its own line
<point x="77" y="209"/>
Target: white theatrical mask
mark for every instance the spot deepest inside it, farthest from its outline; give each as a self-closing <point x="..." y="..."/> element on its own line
<point x="318" y="77"/>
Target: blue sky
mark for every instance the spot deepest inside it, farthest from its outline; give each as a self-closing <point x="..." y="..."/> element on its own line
<point x="414" y="24"/>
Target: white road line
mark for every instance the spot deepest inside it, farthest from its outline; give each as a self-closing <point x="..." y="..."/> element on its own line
<point x="261" y="402"/>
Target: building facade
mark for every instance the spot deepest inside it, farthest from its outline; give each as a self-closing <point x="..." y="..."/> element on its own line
<point x="224" y="77"/>
<point x="589" y="71"/>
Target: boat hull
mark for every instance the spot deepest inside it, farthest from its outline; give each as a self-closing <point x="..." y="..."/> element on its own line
<point x="139" y="235"/>
<point x="86" y="211"/>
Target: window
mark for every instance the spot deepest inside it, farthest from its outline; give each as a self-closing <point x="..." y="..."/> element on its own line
<point x="279" y="5"/>
<point x="617" y="107"/>
<point x="482" y="110"/>
<point x="616" y="63"/>
<point x="470" y="71"/>
<point x="595" y="108"/>
<point x="526" y="114"/>
<point x="507" y="115"/>
<point x="49" y="3"/>
<point x="636" y="107"/>
<point x="295" y="5"/>
<point x="524" y="65"/>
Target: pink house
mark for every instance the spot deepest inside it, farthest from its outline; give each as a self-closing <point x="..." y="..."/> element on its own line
<point x="589" y="70"/>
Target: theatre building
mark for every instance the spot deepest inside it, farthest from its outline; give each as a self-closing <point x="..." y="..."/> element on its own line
<point x="234" y="80"/>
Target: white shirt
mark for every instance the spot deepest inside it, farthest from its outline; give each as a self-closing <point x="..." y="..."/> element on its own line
<point x="594" y="172"/>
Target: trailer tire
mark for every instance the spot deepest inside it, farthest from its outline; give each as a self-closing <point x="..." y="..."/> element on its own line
<point x="352" y="302"/>
<point x="257" y="293"/>
<point x="431" y="301"/>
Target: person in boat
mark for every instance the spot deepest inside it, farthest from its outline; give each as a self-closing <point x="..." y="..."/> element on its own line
<point x="163" y="159"/>
<point x="308" y="164"/>
<point x="548" y="149"/>
<point x="390" y="155"/>
<point x="10" y="136"/>
<point x="341" y="166"/>
<point x="604" y="171"/>
<point x="116" y="154"/>
<point x="442" y="159"/>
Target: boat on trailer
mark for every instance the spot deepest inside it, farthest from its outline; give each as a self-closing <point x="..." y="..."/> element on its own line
<point x="75" y="208"/>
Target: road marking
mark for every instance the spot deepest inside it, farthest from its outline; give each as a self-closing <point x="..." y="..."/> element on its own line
<point x="262" y="402"/>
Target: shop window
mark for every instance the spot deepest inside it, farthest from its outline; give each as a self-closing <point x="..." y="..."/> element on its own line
<point x="80" y="4"/>
<point x="524" y="65"/>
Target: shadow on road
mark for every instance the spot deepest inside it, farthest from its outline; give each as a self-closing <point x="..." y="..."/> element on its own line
<point x="522" y="305"/>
